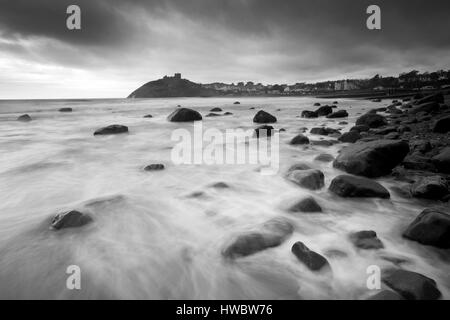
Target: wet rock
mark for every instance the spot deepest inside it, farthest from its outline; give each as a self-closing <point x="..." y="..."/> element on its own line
<point x="425" y="107"/>
<point x="383" y="131"/>
<point x="418" y="162"/>
<point x="264" y="131"/>
<point x="411" y="285"/>
<point x="316" y="104"/>
<point x="422" y="146"/>
<point x="270" y="234"/>
<point x="308" y="204"/>
<point x="372" y="120"/>
<point x="298" y="166"/>
<point x="112" y="129"/>
<point x="236" y="102"/>
<point x="70" y="219"/>
<point x="324" y="157"/>
<point x="350" y="137"/>
<point x="438" y="98"/>
<point x="323" y="143"/>
<point x="323" y="131"/>
<point x="386" y="295"/>
<point x="184" y="115"/>
<point x="366" y="239"/>
<point x="357" y="187"/>
<point x="299" y="139"/>
<point x="65" y="110"/>
<point x="310" y="259"/>
<point x="335" y="102"/>
<point x="360" y="128"/>
<point x="434" y="187"/>
<point x="220" y="185"/>
<point x="324" y="111"/>
<point x="264" y="117"/>
<point x="338" y="114"/>
<point x="309" y="114"/>
<point x="343" y="123"/>
<point x="24" y="118"/>
<point x="212" y="114"/>
<point x="442" y="160"/>
<point x="373" y="158"/>
<point x="216" y="109"/>
<point x="154" y="167"/>
<point x="310" y="179"/>
<point x="227" y="113"/>
<point x="442" y="125"/>
<point x="431" y="227"/>
<point x="148" y="116"/>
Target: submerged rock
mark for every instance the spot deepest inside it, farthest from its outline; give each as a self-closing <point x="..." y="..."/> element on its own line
<point x="154" y="167"/>
<point x="309" y="114"/>
<point x="212" y="114"/>
<point x="148" y="116"/>
<point x="70" y="219"/>
<point x="323" y="131"/>
<point x="431" y="227"/>
<point x="220" y="185"/>
<point x="310" y="179"/>
<point x="308" y="204"/>
<point x="112" y="129"/>
<point x="216" y="109"/>
<point x="24" y="118"/>
<point x="310" y="259"/>
<point x="299" y="139"/>
<point x="298" y="166"/>
<point x="324" y="157"/>
<point x="184" y="115"/>
<point x="338" y="114"/>
<point x="264" y="117"/>
<point x="434" y="187"/>
<point x="366" y="239"/>
<point x="372" y="159"/>
<point x="411" y="285"/>
<point x="356" y="187"/>
<point x="65" y="110"/>
<point x="270" y="234"/>
<point x="372" y="120"/>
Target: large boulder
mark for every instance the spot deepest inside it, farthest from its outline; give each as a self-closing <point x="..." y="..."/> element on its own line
<point x="270" y="234"/>
<point x="442" y="125"/>
<point x="442" y="160"/>
<point x="350" y="137"/>
<point x="112" y="129"/>
<point x="299" y="139"/>
<point x="308" y="204"/>
<point x="184" y="115"/>
<point x="432" y="187"/>
<point x="309" y="114"/>
<point x="411" y="285"/>
<point x="70" y="219"/>
<point x="24" y="118"/>
<point x="264" y="117"/>
<point x="310" y="179"/>
<point x="357" y="187"/>
<point x="312" y="260"/>
<point x="373" y="158"/>
<point x="324" y="111"/>
<point x="338" y="114"/>
<point x="372" y="120"/>
<point x="431" y="227"/>
<point x="366" y="239"/>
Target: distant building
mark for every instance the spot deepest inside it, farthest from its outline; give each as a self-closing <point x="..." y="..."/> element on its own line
<point x="345" y="85"/>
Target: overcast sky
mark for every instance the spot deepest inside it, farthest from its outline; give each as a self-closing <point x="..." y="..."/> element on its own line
<point x="125" y="43"/>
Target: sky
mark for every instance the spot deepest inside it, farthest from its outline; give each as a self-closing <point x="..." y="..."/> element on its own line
<point x="123" y="44"/>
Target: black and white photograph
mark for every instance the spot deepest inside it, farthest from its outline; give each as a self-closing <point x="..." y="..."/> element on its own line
<point x="224" y="150"/>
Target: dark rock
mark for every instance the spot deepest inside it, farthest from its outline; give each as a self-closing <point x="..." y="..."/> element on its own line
<point x="70" y="219"/>
<point x="434" y="187"/>
<point x="442" y="125"/>
<point x="227" y="113"/>
<point x="148" y="116"/>
<point x="422" y="146"/>
<point x="324" y="157"/>
<point x="310" y="179"/>
<point x="372" y="120"/>
<point x="316" y="104"/>
<point x="417" y="162"/>
<point x="216" y="109"/>
<point x="323" y="143"/>
<point x="392" y="136"/>
<point x="212" y="114"/>
<point x="442" y="160"/>
<point x="386" y="295"/>
<point x="355" y="187"/>
<point x="309" y="114"/>
<point x="385" y="130"/>
<point x="236" y="102"/>
<point x="338" y="114"/>
<point x="112" y="129"/>
<point x="264" y="131"/>
<point x="382" y="109"/>
<point x="431" y="227"/>
<point x="299" y="139"/>
<point x="350" y="137"/>
<point x="184" y="115"/>
<point x="372" y="159"/>
<point x="343" y="123"/>
<point x="411" y="285"/>
<point x="360" y="128"/>
<point x="220" y="185"/>
<point x="65" y="110"/>
<point x="270" y="234"/>
<point x="335" y="102"/>
<point x="308" y="204"/>
<point x="24" y="118"/>
<point x="298" y="166"/>
<point x="438" y="98"/>
<point x="366" y="239"/>
<point x="324" y="111"/>
<point x="310" y="259"/>
<point x="323" y="131"/>
<point x="252" y="108"/>
<point x="154" y="167"/>
<point x="264" y="117"/>
<point x="426" y="107"/>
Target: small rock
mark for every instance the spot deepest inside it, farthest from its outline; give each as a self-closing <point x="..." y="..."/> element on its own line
<point x="308" y="204"/>
<point x="299" y="139"/>
<point x="184" y="115"/>
<point x="366" y="239"/>
<point x="112" y="129"/>
<point x="65" y="110"/>
<point x="227" y="113"/>
<point x="310" y="259"/>
<point x="323" y="131"/>
<point x="148" y="116"/>
<point x="154" y="167"/>
<point x="356" y="187"/>
<point x="324" y="157"/>
<point x="338" y="114"/>
<point x="316" y="104"/>
<point x="264" y="117"/>
<point x="237" y="102"/>
<point x="310" y="179"/>
<point x="70" y="219"/>
<point x="434" y="187"/>
<point x="220" y="185"/>
<point x="216" y="109"/>
<point x="24" y="118"/>
<point x="212" y="114"/>
<point x="299" y="166"/>
<point x="411" y="285"/>
<point x="425" y="107"/>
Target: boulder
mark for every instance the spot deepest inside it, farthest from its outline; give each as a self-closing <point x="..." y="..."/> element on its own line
<point x="357" y="187"/>
<point x="386" y="295"/>
<point x="216" y="109"/>
<point x="372" y="120"/>
<point x="24" y="118"/>
<point x="148" y="116"/>
<point x="70" y="219"/>
<point x="312" y="260"/>
<point x="309" y="114"/>
<point x="65" y="110"/>
<point x="236" y="102"/>
<point x="431" y="187"/>
<point x="366" y="239"/>
<point x="324" y="111"/>
<point x="373" y="158"/>
<point x="350" y="137"/>
<point x="323" y="131"/>
<point x="411" y="285"/>
<point x="442" y="160"/>
<point x="310" y="179"/>
<point x="425" y="107"/>
<point x="184" y="115"/>
<point x="299" y="139"/>
<point x="431" y="227"/>
<point x="442" y="125"/>
<point x="338" y="114"/>
<point x="154" y="167"/>
<point x="360" y="128"/>
<point x="264" y="117"/>
<point x="324" y="157"/>
<point x="112" y="129"/>
<point x="264" y="131"/>
<point x="270" y="234"/>
<point x="308" y="204"/>
<point x="298" y="166"/>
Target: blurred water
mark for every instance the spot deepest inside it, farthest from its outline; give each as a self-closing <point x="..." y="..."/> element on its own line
<point x="150" y="240"/>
